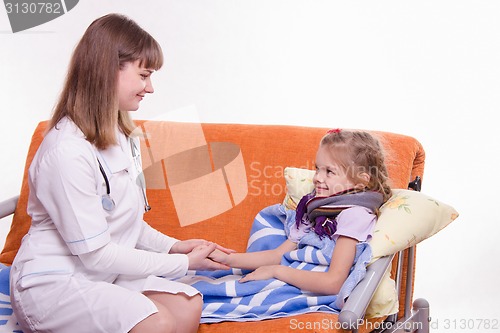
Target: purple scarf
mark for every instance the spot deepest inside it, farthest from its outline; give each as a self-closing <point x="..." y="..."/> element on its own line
<point x="322" y="212"/>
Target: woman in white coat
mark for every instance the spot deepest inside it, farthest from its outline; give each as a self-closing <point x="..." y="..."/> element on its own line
<point x="89" y="262"/>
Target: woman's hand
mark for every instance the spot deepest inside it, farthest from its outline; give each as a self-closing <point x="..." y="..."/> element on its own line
<point x="261" y="273"/>
<point x="199" y="260"/>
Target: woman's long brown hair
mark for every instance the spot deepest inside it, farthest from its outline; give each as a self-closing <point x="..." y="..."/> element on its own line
<point x="89" y="95"/>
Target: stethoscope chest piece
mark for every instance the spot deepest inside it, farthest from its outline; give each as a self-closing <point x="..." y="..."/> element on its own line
<point x="108" y="203"/>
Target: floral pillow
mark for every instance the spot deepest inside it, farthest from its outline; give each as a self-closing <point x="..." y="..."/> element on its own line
<point x="408" y="218"/>
<point x="298" y="183"/>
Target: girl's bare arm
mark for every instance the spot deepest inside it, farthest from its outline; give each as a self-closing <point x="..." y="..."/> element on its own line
<point x="327" y="283"/>
<point x="253" y="260"/>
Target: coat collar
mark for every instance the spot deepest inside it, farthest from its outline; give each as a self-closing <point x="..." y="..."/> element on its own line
<point x="117" y="157"/>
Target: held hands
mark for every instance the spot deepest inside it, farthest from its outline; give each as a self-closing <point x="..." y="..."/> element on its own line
<point x="220" y="256"/>
<point x="198" y="252"/>
<point x="205" y="255"/>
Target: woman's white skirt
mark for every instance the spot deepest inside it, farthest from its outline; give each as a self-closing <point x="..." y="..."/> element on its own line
<point x="63" y="303"/>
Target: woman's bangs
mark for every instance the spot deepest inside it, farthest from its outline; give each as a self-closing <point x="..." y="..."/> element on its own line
<point x="151" y="55"/>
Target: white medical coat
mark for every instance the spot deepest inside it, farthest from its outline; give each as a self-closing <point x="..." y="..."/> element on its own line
<point x="68" y="219"/>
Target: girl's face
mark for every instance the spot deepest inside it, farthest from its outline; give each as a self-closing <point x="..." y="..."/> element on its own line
<point x="329" y="178"/>
<point x="134" y="82"/>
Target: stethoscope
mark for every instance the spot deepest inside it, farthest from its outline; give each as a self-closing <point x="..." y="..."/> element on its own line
<point x="107" y="201"/>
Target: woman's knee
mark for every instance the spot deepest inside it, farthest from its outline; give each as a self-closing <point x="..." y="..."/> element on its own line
<point x="189" y="314"/>
<point x="197" y="302"/>
<point x="186" y="310"/>
<point x="165" y="322"/>
<point x="162" y="321"/>
<point x="190" y="305"/>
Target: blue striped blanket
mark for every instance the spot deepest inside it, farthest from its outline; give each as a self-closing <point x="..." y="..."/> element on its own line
<point x="225" y="299"/>
<point x="8" y="321"/>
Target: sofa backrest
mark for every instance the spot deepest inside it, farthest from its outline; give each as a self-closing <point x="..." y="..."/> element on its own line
<point x="218" y="200"/>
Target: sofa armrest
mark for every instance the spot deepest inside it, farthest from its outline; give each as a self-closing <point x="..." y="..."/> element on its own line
<point x="353" y="311"/>
<point x="7" y="207"/>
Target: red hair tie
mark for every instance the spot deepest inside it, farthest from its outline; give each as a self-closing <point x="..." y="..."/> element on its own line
<point x="334" y="130"/>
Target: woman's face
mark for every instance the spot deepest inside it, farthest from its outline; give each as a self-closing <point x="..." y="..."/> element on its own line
<point x="134" y="82"/>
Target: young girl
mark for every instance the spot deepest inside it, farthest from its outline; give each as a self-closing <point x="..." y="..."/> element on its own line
<point x="351" y="178"/>
<point x="89" y="262"/>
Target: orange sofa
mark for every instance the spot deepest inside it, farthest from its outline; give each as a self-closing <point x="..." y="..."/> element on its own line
<point x="236" y="170"/>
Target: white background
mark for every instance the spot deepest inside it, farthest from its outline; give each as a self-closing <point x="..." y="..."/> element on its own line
<point x="429" y="69"/>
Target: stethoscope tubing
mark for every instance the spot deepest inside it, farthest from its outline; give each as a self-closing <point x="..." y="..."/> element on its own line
<point x="107" y="202"/>
<point x="106" y="181"/>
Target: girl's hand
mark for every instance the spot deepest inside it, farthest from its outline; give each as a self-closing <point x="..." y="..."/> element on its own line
<point x="186" y="246"/>
<point x="199" y="260"/>
<point x="261" y="273"/>
<point x="219" y="256"/>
